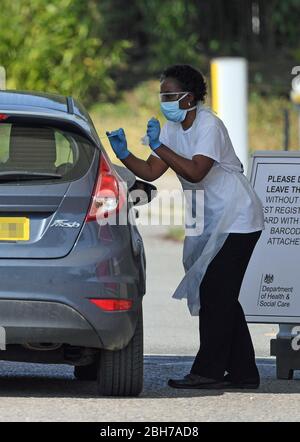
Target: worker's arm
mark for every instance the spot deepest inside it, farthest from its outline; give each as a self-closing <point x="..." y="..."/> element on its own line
<point x="148" y="170"/>
<point x="193" y="170"/>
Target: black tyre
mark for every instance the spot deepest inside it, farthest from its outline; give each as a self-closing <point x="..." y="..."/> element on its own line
<point x="86" y="372"/>
<point x="120" y="373"/>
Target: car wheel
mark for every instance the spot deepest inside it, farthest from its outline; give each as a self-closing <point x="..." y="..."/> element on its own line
<point x="120" y="373"/>
<point x="86" y="372"/>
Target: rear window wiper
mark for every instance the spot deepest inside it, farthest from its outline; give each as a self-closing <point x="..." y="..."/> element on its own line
<point x="26" y="175"/>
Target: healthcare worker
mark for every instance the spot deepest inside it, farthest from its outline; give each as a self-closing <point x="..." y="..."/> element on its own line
<point x="195" y="144"/>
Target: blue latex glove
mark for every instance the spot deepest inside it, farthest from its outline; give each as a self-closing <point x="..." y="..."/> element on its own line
<point x="117" y="139"/>
<point x="153" y="132"/>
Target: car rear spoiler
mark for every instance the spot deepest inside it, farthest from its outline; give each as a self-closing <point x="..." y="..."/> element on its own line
<point x="67" y="121"/>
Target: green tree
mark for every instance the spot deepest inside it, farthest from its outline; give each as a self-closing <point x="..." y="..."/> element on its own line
<point x="57" y="46"/>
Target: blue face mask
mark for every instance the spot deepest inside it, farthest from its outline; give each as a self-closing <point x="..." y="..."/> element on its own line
<point x="172" y="111"/>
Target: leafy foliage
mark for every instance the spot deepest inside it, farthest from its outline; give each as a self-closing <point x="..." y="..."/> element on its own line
<point x="56" y="46"/>
<point x="94" y="49"/>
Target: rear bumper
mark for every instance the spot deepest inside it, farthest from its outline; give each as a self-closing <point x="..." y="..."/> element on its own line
<point x="38" y="321"/>
<point x="52" y="322"/>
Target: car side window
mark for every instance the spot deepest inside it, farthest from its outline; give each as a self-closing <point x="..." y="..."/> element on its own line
<point x="64" y="152"/>
<point x="4" y="142"/>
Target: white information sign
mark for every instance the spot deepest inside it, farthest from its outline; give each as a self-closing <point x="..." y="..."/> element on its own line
<point x="270" y="291"/>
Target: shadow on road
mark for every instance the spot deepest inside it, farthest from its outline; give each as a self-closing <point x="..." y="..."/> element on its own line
<point x="38" y="380"/>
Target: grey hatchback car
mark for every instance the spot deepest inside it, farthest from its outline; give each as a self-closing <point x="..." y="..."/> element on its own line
<point x="72" y="283"/>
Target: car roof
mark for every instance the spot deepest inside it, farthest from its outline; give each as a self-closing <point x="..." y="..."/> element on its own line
<point x="36" y="103"/>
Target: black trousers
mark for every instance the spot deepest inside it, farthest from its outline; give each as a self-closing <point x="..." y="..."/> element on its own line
<point x="225" y="341"/>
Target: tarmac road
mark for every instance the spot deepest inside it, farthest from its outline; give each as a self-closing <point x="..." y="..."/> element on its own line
<point x="49" y="393"/>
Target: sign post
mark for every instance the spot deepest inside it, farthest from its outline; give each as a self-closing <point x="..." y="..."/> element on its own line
<point x="270" y="292"/>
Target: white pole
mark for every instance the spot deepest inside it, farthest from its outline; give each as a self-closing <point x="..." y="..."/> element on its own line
<point x="229" y="80"/>
<point x="295" y="94"/>
<point x="2" y="78"/>
<point x="299" y="128"/>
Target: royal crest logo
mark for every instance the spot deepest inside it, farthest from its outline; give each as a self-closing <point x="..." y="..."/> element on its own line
<point x="269" y="278"/>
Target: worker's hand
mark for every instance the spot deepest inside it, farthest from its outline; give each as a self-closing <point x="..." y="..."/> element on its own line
<point x="153" y="132"/>
<point x="117" y="139"/>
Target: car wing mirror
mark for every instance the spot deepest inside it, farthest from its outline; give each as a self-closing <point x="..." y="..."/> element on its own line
<point x="142" y="193"/>
<point x="126" y="175"/>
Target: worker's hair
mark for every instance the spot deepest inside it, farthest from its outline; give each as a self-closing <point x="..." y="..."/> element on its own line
<point x="188" y="78"/>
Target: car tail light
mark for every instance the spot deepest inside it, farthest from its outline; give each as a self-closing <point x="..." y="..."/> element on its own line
<point x="109" y="193"/>
<point x="112" y="305"/>
<point x="3" y="117"/>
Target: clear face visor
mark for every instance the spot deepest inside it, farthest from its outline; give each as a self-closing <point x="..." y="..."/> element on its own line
<point x="172" y="96"/>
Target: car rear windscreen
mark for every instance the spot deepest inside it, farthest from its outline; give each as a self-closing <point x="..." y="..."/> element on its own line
<point x="43" y="149"/>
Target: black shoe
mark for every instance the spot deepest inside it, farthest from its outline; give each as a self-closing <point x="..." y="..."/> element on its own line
<point x="195" y="381"/>
<point x="249" y="383"/>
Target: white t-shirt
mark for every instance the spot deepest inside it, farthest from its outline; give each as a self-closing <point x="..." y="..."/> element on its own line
<point x="208" y="136"/>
